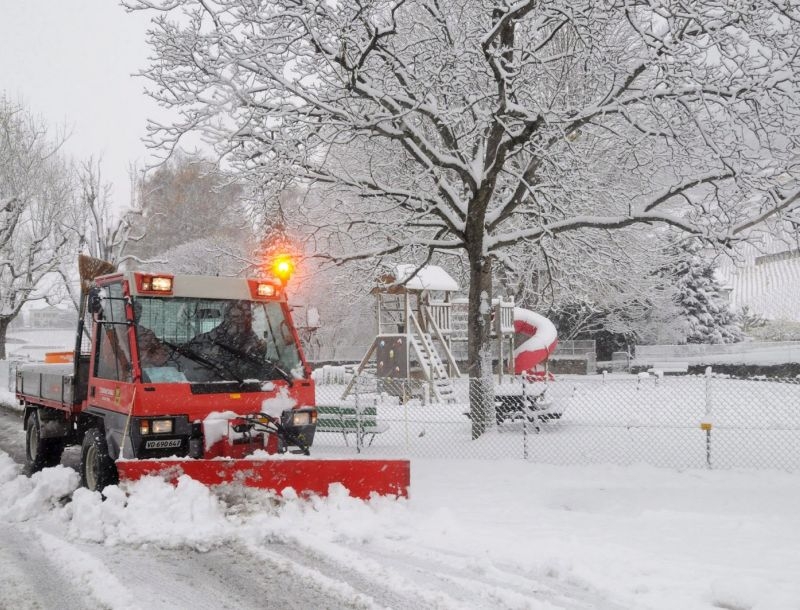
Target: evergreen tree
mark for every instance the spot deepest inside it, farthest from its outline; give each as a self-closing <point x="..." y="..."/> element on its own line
<point x="708" y="317"/>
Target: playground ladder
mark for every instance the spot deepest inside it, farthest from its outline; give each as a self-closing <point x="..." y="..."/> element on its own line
<point x="432" y="365"/>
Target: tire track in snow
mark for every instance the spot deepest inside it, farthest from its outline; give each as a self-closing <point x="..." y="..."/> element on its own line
<point x="402" y="575"/>
<point x="87" y="572"/>
<point x="32" y="578"/>
<point x="96" y="576"/>
<point x="488" y="584"/>
<point x="349" y="592"/>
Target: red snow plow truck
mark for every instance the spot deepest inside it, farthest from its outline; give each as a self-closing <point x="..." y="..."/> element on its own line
<point x="178" y="374"/>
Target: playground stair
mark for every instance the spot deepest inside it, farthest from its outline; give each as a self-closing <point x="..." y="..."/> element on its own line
<point x="433" y="367"/>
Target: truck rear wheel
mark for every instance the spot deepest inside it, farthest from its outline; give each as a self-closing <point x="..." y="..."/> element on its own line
<point x="41" y="452"/>
<point x="97" y="468"/>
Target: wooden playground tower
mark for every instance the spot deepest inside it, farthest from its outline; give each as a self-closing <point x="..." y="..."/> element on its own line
<point x="417" y="325"/>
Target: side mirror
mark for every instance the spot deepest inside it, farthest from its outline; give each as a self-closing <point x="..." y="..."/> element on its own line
<point x="95" y="301"/>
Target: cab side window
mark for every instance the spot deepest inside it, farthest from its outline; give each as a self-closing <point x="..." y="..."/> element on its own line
<point x="113" y="348"/>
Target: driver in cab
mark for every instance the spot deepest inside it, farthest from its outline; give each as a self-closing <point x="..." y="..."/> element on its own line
<point x="233" y="340"/>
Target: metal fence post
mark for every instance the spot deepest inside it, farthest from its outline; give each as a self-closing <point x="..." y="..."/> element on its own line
<point x="524" y="435"/>
<point x="405" y="395"/>
<point x="707" y="425"/>
<point x="709" y="404"/>
<point x="359" y="422"/>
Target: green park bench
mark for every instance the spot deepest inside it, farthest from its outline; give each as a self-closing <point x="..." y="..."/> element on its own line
<point x="345" y="420"/>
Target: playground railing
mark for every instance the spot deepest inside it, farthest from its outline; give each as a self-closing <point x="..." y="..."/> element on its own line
<point x="439" y="314"/>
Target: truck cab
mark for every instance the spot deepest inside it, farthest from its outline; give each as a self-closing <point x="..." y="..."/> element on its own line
<point x="172" y="366"/>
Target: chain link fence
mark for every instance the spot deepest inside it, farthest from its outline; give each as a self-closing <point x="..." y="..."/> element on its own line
<point x="666" y="421"/>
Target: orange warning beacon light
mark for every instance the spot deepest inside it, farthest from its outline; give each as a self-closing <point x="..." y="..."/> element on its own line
<point x="283" y="268"/>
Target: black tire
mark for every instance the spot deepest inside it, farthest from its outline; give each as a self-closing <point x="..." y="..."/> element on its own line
<point x="40" y="452"/>
<point x="97" y="468"/>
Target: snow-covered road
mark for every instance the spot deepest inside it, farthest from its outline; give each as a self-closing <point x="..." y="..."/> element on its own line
<point x="39" y="568"/>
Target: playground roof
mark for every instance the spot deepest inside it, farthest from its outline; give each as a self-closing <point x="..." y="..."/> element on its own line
<point x="429" y="277"/>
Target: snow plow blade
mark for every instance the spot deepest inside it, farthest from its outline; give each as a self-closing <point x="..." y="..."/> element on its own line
<point x="362" y="478"/>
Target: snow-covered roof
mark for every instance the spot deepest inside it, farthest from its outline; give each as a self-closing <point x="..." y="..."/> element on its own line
<point x="429" y="277"/>
<point x="770" y="288"/>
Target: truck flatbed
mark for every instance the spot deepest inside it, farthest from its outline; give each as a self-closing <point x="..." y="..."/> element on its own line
<point x="50" y="382"/>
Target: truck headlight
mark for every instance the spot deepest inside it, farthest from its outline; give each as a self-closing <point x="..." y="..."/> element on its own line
<point x="161" y="426"/>
<point x="304" y="418"/>
<point x="155" y="426"/>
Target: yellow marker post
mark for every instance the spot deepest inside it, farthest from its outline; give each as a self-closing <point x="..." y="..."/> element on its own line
<point x="707" y="427"/>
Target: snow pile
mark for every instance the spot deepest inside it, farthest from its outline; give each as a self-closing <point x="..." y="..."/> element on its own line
<point x="332" y="520"/>
<point x="150" y="511"/>
<point x="23" y="498"/>
<point x="8" y="398"/>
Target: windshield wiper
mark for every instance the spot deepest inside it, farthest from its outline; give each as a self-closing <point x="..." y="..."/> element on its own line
<point x="257" y="361"/>
<point x="223" y="371"/>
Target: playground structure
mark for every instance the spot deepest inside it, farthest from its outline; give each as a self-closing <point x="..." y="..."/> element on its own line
<point x="419" y="326"/>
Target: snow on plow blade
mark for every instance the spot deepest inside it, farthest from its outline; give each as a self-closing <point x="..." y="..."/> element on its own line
<point x="361" y="477"/>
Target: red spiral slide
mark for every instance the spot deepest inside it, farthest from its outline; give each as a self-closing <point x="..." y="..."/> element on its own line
<point x="536" y="339"/>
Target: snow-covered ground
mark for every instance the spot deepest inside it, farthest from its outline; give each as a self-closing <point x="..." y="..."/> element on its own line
<point x="33" y="343"/>
<point x="473" y="534"/>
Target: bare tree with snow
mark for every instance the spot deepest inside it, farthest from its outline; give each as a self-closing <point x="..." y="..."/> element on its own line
<point x="35" y="196"/>
<point x="98" y="228"/>
<point x="438" y="126"/>
<point x="105" y="233"/>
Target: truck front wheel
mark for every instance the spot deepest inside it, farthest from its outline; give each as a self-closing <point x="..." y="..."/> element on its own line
<point x="40" y="452"/>
<point x="97" y="468"/>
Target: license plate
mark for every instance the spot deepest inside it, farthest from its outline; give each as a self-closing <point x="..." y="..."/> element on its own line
<point x="163" y="444"/>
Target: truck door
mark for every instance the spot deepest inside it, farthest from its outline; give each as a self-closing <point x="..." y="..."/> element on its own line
<point x="112" y="367"/>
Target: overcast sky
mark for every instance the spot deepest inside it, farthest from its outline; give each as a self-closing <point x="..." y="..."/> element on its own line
<point x="71" y="62"/>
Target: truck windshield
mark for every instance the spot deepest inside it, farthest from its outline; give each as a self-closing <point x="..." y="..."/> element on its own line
<point x="212" y="340"/>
